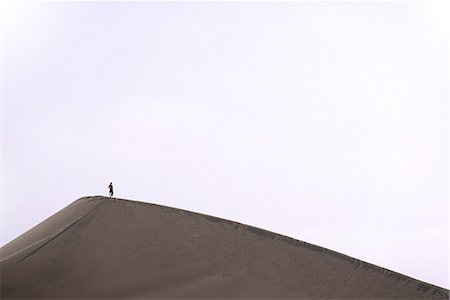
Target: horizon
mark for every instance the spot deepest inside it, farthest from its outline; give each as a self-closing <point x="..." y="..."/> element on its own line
<point x="256" y="230"/>
<point x="139" y="250"/>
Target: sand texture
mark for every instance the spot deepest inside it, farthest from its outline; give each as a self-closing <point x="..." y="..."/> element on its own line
<point x="106" y="248"/>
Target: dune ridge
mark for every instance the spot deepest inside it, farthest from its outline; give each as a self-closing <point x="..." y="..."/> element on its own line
<point x="108" y="248"/>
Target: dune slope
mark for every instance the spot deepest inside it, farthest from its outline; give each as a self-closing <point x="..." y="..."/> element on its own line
<point x="99" y="247"/>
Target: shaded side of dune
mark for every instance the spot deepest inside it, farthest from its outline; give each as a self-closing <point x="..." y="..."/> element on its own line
<point x="110" y="248"/>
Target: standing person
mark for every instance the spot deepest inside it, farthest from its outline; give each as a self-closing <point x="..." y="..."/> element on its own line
<point x="111" y="191"/>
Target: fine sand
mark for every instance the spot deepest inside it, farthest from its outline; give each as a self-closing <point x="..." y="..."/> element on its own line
<point x="100" y="247"/>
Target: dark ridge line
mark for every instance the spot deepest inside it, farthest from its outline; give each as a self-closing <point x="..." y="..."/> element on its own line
<point x="70" y="204"/>
<point x="49" y="240"/>
<point x="44" y="243"/>
<point x="291" y="241"/>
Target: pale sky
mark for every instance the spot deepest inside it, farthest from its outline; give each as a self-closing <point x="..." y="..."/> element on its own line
<point x="326" y="122"/>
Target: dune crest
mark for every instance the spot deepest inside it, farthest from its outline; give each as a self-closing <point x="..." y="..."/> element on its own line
<point x="100" y="247"/>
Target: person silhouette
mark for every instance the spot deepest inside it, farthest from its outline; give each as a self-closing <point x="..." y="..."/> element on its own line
<point x="111" y="190"/>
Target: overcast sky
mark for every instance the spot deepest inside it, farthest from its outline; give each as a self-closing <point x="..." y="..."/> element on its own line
<point x="326" y="122"/>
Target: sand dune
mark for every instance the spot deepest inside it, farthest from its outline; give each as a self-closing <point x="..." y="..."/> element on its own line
<point x="110" y="248"/>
